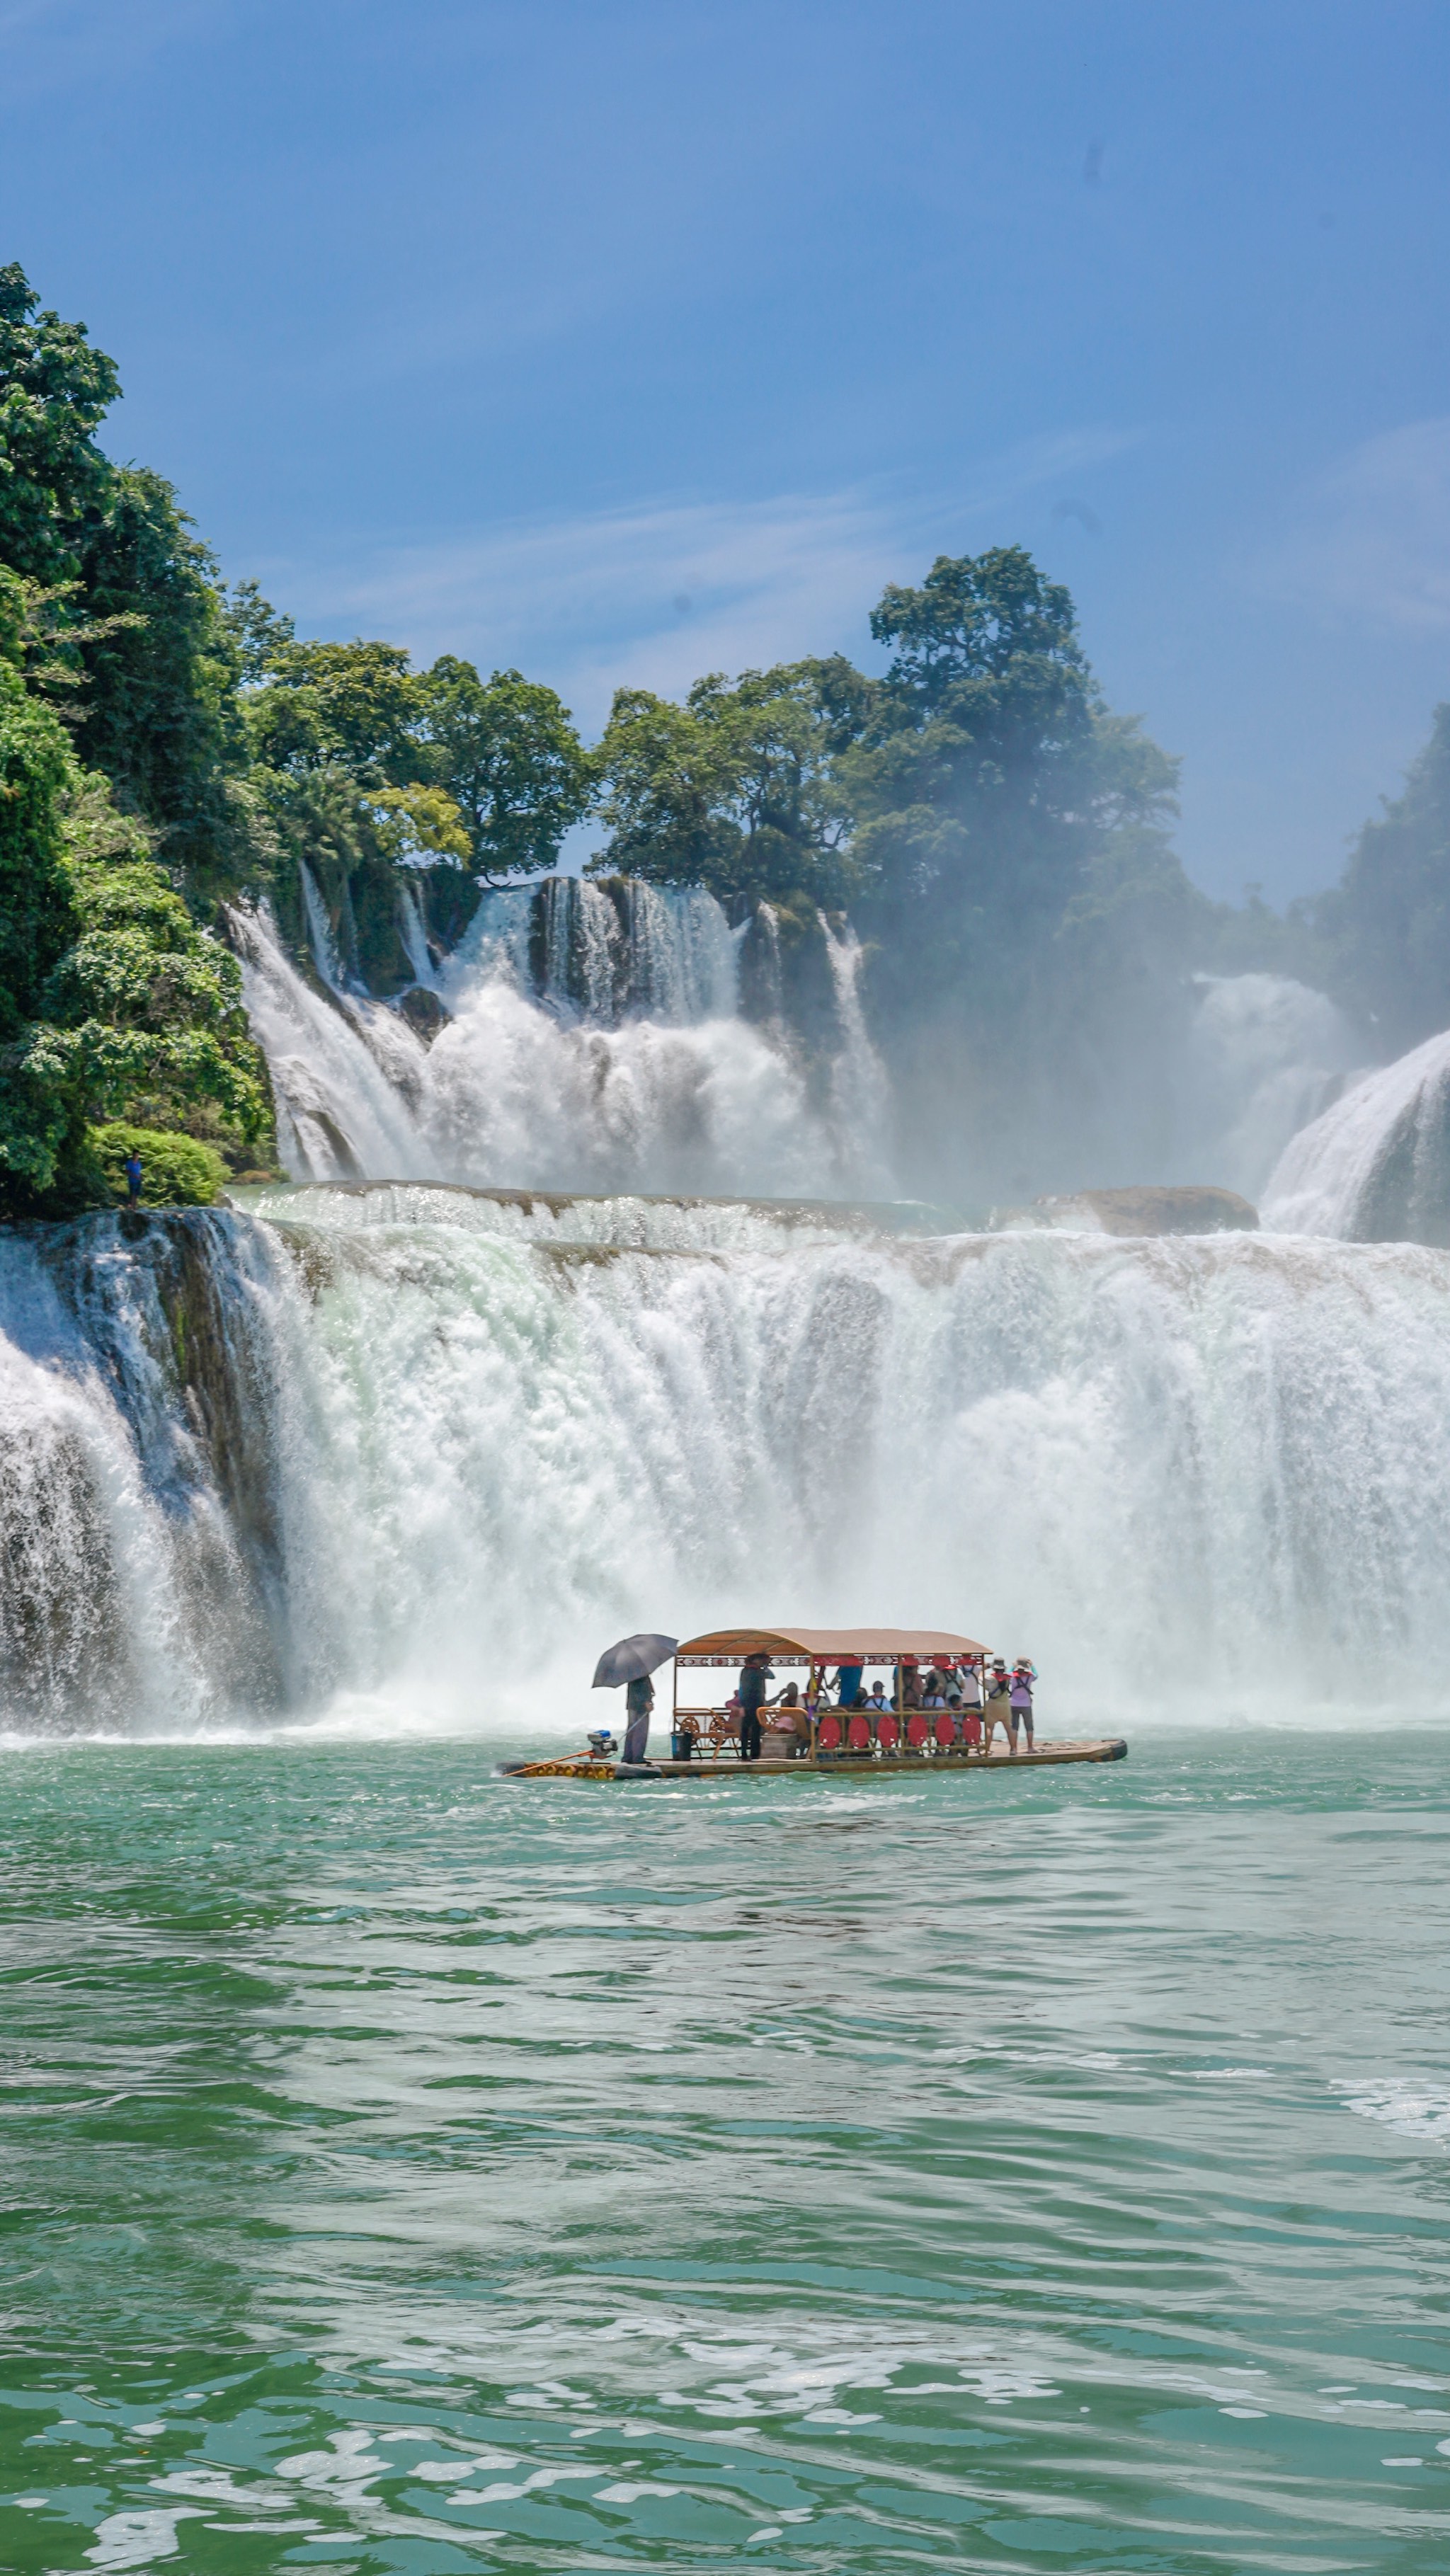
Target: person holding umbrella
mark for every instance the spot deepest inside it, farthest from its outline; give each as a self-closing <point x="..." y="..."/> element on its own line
<point x="632" y="1661"/>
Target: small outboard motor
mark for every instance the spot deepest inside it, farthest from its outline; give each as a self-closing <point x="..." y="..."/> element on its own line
<point x="602" y="1745"/>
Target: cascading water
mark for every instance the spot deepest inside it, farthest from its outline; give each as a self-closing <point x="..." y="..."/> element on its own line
<point x="346" y="1074"/>
<point x="399" y="1456"/>
<point x="590" y="1045"/>
<point x="1374" y="1168"/>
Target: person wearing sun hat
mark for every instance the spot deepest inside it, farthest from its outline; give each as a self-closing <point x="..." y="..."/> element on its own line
<point x="998" y="1711"/>
<point x="1024" y="1674"/>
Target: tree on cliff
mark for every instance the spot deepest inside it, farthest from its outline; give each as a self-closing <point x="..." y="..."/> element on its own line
<point x="738" y="789"/>
<point x="113" y="1005"/>
<point x="55" y="390"/>
<point x="139" y="661"/>
<point x="990" y="776"/>
<point x="506" y="751"/>
<point x="502" y="752"/>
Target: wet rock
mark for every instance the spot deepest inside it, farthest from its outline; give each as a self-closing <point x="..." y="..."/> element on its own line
<point x="423" y="1012"/>
<point x="1166" y="1208"/>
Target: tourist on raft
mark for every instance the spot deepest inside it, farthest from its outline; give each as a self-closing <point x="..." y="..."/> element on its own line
<point x="639" y="1699"/>
<point x="755" y="1672"/>
<point x="1023" y="1676"/>
<point x="999" y="1706"/>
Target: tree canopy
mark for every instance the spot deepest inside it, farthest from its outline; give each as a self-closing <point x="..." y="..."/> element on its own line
<point x="738" y="790"/>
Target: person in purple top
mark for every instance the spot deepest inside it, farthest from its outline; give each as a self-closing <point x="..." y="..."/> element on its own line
<point x="1023" y="1676"/>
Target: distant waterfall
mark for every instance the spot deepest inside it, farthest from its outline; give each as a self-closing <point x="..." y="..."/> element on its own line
<point x="397" y="1455"/>
<point x="1374" y="1168"/>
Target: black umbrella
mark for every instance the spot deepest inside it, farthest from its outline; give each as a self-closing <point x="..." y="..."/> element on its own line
<point x="631" y="1659"/>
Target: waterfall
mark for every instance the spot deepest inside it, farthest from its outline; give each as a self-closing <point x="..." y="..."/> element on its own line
<point x="346" y="1074"/>
<point x="860" y="1090"/>
<point x="415" y="940"/>
<point x="560" y="1083"/>
<point x="406" y="1455"/>
<point x="142" y="1520"/>
<point x="1375" y="1167"/>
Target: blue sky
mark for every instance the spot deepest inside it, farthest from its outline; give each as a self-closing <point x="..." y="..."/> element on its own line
<point x="638" y="338"/>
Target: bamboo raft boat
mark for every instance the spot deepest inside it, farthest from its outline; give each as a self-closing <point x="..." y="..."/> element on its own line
<point x="855" y="1741"/>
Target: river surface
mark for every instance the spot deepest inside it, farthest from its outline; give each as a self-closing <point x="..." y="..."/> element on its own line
<point x="408" y="2170"/>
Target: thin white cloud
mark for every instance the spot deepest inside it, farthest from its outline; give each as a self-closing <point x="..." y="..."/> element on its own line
<point x="1373" y="539"/>
<point x="653" y="596"/>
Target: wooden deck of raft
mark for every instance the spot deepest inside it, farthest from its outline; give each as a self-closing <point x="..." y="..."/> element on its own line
<point x="848" y="1766"/>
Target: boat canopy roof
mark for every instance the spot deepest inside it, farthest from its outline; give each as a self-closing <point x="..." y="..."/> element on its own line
<point x="826" y="1645"/>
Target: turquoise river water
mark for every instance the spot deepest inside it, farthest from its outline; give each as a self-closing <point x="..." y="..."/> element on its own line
<point x="408" y="2170"/>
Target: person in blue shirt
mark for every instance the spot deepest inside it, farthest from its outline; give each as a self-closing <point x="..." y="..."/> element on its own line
<point x="848" y="1677"/>
<point x="134" y="1178"/>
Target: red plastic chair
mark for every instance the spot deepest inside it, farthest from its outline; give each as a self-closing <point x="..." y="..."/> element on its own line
<point x="945" y="1732"/>
<point x="918" y="1733"/>
<point x="888" y="1733"/>
<point x="972" y="1727"/>
<point x="828" y="1735"/>
<point x="858" y="1734"/>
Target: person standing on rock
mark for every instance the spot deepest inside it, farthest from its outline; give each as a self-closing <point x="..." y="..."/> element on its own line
<point x="134" y="1177"/>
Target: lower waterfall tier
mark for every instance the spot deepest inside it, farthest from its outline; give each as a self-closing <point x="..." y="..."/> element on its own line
<point x="412" y="1457"/>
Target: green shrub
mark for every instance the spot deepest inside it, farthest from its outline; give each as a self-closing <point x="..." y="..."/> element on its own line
<point x="178" y="1170"/>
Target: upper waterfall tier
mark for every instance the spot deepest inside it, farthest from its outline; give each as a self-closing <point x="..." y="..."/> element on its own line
<point x="575" y="1055"/>
<point x="415" y="1469"/>
<point x="621" y="1037"/>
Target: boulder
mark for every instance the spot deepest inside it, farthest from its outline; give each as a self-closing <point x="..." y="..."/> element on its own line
<point x="423" y="1011"/>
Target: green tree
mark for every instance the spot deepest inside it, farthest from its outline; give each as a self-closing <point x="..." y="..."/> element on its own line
<point x="739" y="790"/>
<point x="113" y="1005"/>
<point x="158" y="710"/>
<point x="971" y="786"/>
<point x="505" y="750"/>
<point x="326" y="706"/>
<point x="54" y="391"/>
<point x="257" y="629"/>
<point x="37" y="923"/>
